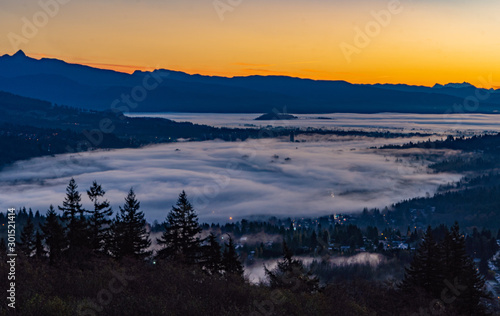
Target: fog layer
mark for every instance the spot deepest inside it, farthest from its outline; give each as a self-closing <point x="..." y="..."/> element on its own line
<point x="316" y="176"/>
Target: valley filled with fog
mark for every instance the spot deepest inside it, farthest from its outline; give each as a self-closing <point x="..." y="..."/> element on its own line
<point x="315" y="175"/>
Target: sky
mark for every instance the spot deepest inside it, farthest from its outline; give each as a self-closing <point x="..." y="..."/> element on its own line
<point x="418" y="42"/>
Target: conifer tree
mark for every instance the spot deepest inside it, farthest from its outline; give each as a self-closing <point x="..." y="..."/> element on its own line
<point x="446" y="268"/>
<point x="99" y="221"/>
<point x="465" y="275"/>
<point x="212" y="256"/>
<point x="27" y="238"/>
<point x="72" y="207"/>
<point x="130" y="237"/>
<point x="230" y="260"/>
<point x="313" y="242"/>
<point x="457" y="252"/>
<point x="180" y="239"/>
<point x="39" y="249"/>
<point x="425" y="272"/>
<point x="291" y="274"/>
<point x="73" y="214"/>
<point x="446" y="254"/>
<point x="3" y="248"/>
<point x="54" y="235"/>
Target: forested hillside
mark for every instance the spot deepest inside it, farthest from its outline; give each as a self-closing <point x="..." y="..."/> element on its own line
<point x="108" y="254"/>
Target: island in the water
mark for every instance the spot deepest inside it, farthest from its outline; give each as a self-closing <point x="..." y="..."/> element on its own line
<point x="323" y="118"/>
<point x="276" y="116"/>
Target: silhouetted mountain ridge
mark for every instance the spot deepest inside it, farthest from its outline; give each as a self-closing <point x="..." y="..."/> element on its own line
<point x="173" y="91"/>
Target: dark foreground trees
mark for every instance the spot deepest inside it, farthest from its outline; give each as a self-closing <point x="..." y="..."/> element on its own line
<point x="54" y="235"/>
<point x="129" y="235"/>
<point x="290" y="274"/>
<point x="181" y="243"/>
<point x="99" y="221"/>
<point x="181" y="240"/>
<point x="27" y="239"/>
<point x="212" y="255"/>
<point x="444" y="273"/>
<point x="77" y="237"/>
<point x="77" y="232"/>
<point x="119" y="281"/>
<point x="231" y="263"/>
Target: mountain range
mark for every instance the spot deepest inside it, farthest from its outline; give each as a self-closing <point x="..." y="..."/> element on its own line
<point x="59" y="82"/>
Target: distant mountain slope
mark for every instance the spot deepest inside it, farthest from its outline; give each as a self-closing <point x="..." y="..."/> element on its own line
<point x="27" y="113"/>
<point x="59" y="82"/>
<point x="33" y="128"/>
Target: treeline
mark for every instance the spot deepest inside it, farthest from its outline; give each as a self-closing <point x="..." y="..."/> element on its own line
<point x="474" y="199"/>
<point x="317" y="239"/>
<point x="485" y="180"/>
<point x="262" y="239"/>
<point x="484" y="143"/>
<point x="475" y="206"/>
<point x="374" y="134"/>
<point x="305" y="237"/>
<point x="482" y="152"/>
<point x="79" y="234"/>
<point x="25" y="142"/>
<point x="443" y="274"/>
<point x="110" y="260"/>
<point x="32" y="113"/>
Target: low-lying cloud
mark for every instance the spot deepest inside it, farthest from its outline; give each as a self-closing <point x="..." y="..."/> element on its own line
<point x="316" y="176"/>
<point x="256" y="272"/>
<point x="450" y="124"/>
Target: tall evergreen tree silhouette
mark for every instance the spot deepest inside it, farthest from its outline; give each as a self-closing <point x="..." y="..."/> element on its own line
<point x="72" y="207"/>
<point x="212" y="255"/>
<point x="3" y="248"/>
<point x="27" y="238"/>
<point x="445" y="271"/>
<point x="291" y="274"/>
<point x="54" y="235"/>
<point x="230" y="260"/>
<point x="130" y="237"/>
<point x="99" y="220"/>
<point x="39" y="248"/>
<point x="313" y="241"/>
<point x="73" y="214"/>
<point x="180" y="239"/>
<point x="425" y="271"/>
<point x="463" y="272"/>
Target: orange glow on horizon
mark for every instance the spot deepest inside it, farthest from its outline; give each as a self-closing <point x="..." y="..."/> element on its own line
<point x="305" y="73"/>
<point x="423" y="43"/>
<point x="118" y="68"/>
